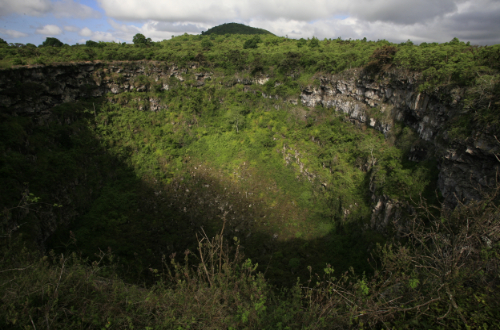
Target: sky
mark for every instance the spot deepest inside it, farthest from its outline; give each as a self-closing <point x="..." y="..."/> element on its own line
<point x="76" y="21"/>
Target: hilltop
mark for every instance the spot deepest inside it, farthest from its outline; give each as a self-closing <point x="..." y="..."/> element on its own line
<point x="235" y="28"/>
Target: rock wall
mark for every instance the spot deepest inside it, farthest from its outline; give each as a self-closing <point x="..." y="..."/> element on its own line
<point x="35" y="90"/>
<point x="464" y="166"/>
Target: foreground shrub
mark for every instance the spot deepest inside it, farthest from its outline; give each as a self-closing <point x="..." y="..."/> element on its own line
<point x="442" y="272"/>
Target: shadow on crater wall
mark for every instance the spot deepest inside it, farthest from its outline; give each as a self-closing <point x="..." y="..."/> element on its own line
<point x="107" y="206"/>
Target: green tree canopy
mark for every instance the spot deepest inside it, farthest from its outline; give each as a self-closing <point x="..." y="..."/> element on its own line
<point x="54" y="42"/>
<point x="3" y="42"/>
<point x="140" y="39"/>
<point x="91" y="43"/>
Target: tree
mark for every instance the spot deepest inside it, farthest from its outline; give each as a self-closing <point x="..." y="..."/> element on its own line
<point x="252" y="43"/>
<point x="314" y="42"/>
<point x="3" y="42"/>
<point x="139" y="39"/>
<point x="54" y="42"/>
<point x="91" y="43"/>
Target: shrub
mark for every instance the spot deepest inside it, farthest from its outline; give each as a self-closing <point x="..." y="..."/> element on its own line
<point x="206" y="43"/>
<point x="382" y="58"/>
<point x="252" y="43"/>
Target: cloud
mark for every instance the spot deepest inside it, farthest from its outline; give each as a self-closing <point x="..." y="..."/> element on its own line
<point x="210" y="11"/>
<point x="96" y="35"/>
<point x="394" y="20"/>
<point x="71" y="28"/>
<point x="60" y="9"/>
<point x="475" y="21"/>
<point x="155" y="30"/>
<point x="103" y="36"/>
<point x="50" y="30"/>
<point x="69" y="8"/>
<point x="28" y="7"/>
<point x="13" y="33"/>
<point x="402" y="11"/>
<point x="85" y="32"/>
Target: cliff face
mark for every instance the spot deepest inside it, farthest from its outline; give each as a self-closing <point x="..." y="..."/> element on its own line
<point x="464" y="166"/>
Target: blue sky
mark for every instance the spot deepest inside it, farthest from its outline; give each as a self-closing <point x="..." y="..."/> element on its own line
<point x="31" y="21"/>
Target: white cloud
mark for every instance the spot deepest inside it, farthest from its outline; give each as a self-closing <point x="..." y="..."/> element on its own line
<point x="103" y="36"/>
<point x="28" y="7"/>
<point x="85" y="32"/>
<point x="13" y="33"/>
<point x="475" y="21"/>
<point x="155" y="30"/>
<point x="204" y="11"/>
<point x="50" y="30"/>
<point x="64" y="8"/>
<point x="71" y="28"/>
<point x="96" y="35"/>
<point x="394" y="20"/>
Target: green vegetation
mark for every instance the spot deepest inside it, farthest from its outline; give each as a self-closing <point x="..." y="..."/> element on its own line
<point x="54" y="42"/>
<point x="252" y="43"/>
<point x="453" y="63"/>
<point x="234" y="28"/>
<point x="140" y="40"/>
<point x="220" y="170"/>
<point x="299" y="177"/>
<point x="427" y="283"/>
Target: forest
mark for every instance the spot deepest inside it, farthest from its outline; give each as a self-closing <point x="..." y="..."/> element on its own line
<point x="233" y="205"/>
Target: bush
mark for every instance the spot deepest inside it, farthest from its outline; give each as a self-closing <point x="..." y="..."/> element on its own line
<point x="314" y="42"/>
<point x="252" y="43"/>
<point x="206" y="43"/>
<point x="442" y="270"/>
<point x="301" y="42"/>
<point x="382" y="58"/>
<point x="18" y="61"/>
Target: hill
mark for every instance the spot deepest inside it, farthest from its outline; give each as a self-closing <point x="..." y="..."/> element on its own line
<point x="235" y="28"/>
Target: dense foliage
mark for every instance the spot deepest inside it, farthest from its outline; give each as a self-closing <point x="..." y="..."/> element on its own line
<point x="54" y="42"/>
<point x="454" y="62"/>
<point x="140" y="40"/>
<point x="299" y="176"/>
<point x="447" y="278"/>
